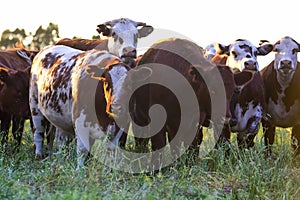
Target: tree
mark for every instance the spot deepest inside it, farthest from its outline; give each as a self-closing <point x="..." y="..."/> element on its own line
<point x="10" y="39"/>
<point x="44" y="37"/>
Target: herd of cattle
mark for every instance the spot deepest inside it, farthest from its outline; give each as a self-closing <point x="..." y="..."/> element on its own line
<point x="77" y="88"/>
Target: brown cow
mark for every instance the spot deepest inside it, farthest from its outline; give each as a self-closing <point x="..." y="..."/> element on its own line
<point x="14" y="76"/>
<point x="281" y="80"/>
<point x="180" y="74"/>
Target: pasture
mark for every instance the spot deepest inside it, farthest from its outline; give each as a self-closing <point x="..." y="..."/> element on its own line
<point x="243" y="175"/>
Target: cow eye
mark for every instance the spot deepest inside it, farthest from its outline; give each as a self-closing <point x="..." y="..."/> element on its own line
<point x="121" y="40"/>
<point x="234" y="54"/>
<point x="295" y="51"/>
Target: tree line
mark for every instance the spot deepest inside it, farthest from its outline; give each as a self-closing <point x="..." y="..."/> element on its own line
<point x="41" y="38"/>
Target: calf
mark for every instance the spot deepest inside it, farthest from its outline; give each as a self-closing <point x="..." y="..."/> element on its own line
<point x="281" y="80"/>
<point x="78" y="92"/>
<point x="247" y="103"/>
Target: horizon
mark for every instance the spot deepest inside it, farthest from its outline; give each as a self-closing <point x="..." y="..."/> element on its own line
<point x="212" y="21"/>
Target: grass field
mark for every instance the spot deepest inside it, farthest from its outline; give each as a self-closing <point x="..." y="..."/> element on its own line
<point x="243" y="175"/>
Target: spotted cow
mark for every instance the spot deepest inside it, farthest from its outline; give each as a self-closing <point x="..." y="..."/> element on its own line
<point x="247" y="103"/>
<point x="281" y="80"/>
<point x="78" y="92"/>
<point x="14" y="85"/>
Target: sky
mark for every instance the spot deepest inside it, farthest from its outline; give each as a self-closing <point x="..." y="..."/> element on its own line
<point x="203" y="22"/>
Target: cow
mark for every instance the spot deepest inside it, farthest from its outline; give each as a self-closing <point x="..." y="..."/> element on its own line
<point x="209" y="85"/>
<point x="281" y="81"/>
<point x="14" y="80"/>
<point x="122" y="37"/>
<point x="78" y="92"/>
<point x="247" y="103"/>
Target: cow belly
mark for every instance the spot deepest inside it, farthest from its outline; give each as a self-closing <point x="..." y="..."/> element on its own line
<point x="281" y="117"/>
<point x="247" y="118"/>
<point x="58" y="113"/>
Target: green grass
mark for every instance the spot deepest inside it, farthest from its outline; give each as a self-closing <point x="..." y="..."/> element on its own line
<point x="244" y="175"/>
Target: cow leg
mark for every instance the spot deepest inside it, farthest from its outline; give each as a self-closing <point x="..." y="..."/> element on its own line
<point x="141" y="143"/>
<point x="5" y="124"/>
<point x="50" y="134"/>
<point x="123" y="139"/>
<point x="18" y="128"/>
<point x="38" y="135"/>
<point x="269" y="136"/>
<point x="245" y="141"/>
<point x="193" y="149"/>
<point x="158" y="141"/>
<point x="82" y="152"/>
<point x="224" y="138"/>
<point x="296" y="139"/>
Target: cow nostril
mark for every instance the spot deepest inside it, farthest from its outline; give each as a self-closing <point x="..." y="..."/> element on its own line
<point x="286" y="63"/>
<point x="129" y="52"/>
<point x="250" y="65"/>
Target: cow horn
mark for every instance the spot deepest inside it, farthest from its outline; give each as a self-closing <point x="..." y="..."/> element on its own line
<point x="140" y="24"/>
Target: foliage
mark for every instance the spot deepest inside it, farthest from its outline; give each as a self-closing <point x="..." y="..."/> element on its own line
<point x="38" y="40"/>
<point x="243" y="175"/>
<point x="10" y="39"/>
<point x="44" y="37"/>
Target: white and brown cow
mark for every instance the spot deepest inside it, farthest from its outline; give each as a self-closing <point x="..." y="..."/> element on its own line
<point x="247" y="103"/>
<point x="74" y="101"/>
<point x="282" y="80"/>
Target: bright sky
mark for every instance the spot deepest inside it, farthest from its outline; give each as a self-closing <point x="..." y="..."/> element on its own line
<point x="202" y="21"/>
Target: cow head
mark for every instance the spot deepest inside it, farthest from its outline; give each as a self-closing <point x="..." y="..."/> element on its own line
<point x="14" y="93"/>
<point x="209" y="51"/>
<point x="286" y="51"/>
<point x="115" y="78"/>
<point x="242" y="54"/>
<point x="112" y="73"/>
<point x="124" y="34"/>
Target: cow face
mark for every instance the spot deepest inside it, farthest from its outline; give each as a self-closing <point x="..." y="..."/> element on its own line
<point x="286" y="51"/>
<point x="242" y="54"/>
<point x="14" y="93"/>
<point x="112" y="77"/>
<point x="124" y="34"/>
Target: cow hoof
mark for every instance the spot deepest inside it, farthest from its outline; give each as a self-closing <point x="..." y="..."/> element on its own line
<point x="38" y="157"/>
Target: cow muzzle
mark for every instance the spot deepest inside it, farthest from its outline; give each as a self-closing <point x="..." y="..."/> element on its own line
<point x="286" y="67"/>
<point x="251" y="65"/>
<point x="128" y="52"/>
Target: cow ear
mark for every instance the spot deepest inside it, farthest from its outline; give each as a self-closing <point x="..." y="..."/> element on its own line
<point x="221" y="48"/>
<point x="95" y="71"/>
<point x="145" y="30"/>
<point x="196" y="72"/>
<point x="264" y="49"/>
<point x="4" y="74"/>
<point x="102" y="28"/>
<point x="139" y="75"/>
